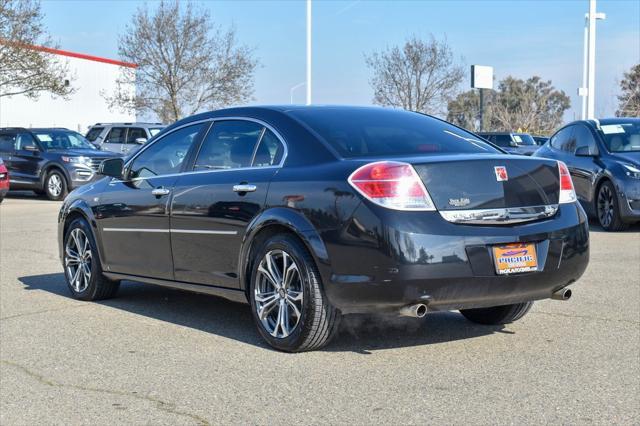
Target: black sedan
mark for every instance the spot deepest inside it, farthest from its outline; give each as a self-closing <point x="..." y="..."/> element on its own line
<point x="604" y="161"/>
<point x="49" y="161"/>
<point x="307" y="213"/>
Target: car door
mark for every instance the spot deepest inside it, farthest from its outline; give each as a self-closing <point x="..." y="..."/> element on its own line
<point x="115" y="139"/>
<point x="584" y="169"/>
<point x="213" y="205"/>
<point x="133" y="212"/>
<point x="26" y="162"/>
<point x="134" y="133"/>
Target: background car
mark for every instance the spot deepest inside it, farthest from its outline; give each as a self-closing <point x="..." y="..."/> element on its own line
<point x="307" y="213"/>
<point x="513" y="143"/>
<point x="4" y="180"/>
<point x="540" y="140"/>
<point x="122" y="137"/>
<point x="49" y="161"/>
<point x="604" y="161"/>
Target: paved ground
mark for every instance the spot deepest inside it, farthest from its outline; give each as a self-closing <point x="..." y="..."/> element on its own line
<point x="160" y="356"/>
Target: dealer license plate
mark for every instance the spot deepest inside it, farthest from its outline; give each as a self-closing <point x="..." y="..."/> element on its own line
<point x="515" y="258"/>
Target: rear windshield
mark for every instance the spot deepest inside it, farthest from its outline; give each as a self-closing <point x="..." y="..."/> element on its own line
<point x="93" y="134"/>
<point x="378" y="132"/>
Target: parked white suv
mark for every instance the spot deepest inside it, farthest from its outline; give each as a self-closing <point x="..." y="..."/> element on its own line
<point x="122" y="137"/>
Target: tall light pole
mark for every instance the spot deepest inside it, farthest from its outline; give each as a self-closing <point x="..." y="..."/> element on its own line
<point x="308" y="52"/>
<point x="588" y="89"/>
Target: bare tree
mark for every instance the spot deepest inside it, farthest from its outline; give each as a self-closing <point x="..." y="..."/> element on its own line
<point x="184" y="63"/>
<point x="420" y="76"/>
<point x="629" y="99"/>
<point x="25" y="66"/>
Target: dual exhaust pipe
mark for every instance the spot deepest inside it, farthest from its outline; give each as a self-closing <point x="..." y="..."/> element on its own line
<point x="419" y="310"/>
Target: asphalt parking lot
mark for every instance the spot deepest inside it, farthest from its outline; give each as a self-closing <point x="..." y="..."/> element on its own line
<point x="161" y="356"/>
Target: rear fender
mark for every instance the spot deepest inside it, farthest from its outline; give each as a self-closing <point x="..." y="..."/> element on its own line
<point x="295" y="223"/>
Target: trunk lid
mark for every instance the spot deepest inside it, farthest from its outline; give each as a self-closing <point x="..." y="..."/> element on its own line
<point x="474" y="182"/>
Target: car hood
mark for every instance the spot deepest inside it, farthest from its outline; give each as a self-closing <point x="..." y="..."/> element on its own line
<point x="84" y="153"/>
<point x="628" y="157"/>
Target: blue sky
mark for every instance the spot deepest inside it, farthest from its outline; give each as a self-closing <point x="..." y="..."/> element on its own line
<point x="519" y="38"/>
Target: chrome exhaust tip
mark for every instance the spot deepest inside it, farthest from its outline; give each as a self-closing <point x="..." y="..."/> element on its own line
<point x="418" y="310"/>
<point x="562" y="294"/>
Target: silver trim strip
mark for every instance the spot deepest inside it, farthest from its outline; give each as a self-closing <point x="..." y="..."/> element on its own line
<point x="502" y="216"/>
<point x="175" y="231"/>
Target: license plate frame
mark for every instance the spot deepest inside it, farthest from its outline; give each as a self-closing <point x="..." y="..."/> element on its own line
<point x="515" y="258"/>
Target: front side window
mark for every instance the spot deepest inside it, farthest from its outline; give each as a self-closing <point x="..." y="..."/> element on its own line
<point x="562" y="139"/>
<point x="583" y="137"/>
<point x="60" y="139"/>
<point x="135" y="133"/>
<point x="24" y="139"/>
<point x="167" y="154"/>
<point x="93" y="133"/>
<point x="116" y="135"/>
<point x="229" y="145"/>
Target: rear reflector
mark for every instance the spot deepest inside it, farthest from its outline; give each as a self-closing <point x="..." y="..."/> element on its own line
<point x="393" y="185"/>
<point x="567" y="193"/>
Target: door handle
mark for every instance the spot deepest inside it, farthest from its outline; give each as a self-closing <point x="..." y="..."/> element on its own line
<point x="245" y="187"/>
<point x="160" y="191"/>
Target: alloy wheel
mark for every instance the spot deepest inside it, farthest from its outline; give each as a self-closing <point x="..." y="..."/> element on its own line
<point x="54" y="185"/>
<point x="606" y="206"/>
<point x="77" y="260"/>
<point x="278" y="293"/>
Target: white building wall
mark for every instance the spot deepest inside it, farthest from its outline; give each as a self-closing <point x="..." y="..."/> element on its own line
<point x="85" y="107"/>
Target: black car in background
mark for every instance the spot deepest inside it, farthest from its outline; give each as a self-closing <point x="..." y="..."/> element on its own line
<point x="513" y="143"/>
<point x="49" y="161"/>
<point x="540" y="140"/>
<point x="604" y="161"/>
<point x="307" y="213"/>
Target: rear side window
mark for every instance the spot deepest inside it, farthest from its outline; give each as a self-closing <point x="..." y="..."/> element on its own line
<point x="269" y="152"/>
<point x="7" y="142"/>
<point x="116" y="135"/>
<point x="135" y="133"/>
<point x="229" y="145"/>
<point x="382" y="132"/>
<point x="93" y="133"/>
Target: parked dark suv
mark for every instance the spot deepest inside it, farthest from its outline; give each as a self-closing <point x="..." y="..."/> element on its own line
<point x="604" y="161"/>
<point x="307" y="213"/>
<point x="513" y="143"/>
<point x="49" y="161"/>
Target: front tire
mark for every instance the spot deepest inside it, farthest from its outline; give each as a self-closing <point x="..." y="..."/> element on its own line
<point x="608" y="209"/>
<point x="497" y="315"/>
<point x="55" y="185"/>
<point x="81" y="264"/>
<point x="287" y="301"/>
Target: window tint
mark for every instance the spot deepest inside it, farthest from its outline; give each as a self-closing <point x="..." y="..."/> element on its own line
<point x="167" y="154"/>
<point x="116" y="135"/>
<point x="93" y="133"/>
<point x="358" y="132"/>
<point x="502" y="140"/>
<point x="229" y="145"/>
<point x="562" y="139"/>
<point x="270" y="150"/>
<point x="583" y="137"/>
<point x="24" y="139"/>
<point x="7" y="142"/>
<point x="135" y="133"/>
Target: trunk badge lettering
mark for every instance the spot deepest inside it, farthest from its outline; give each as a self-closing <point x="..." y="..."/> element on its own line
<point x="459" y="202"/>
<point x="501" y="173"/>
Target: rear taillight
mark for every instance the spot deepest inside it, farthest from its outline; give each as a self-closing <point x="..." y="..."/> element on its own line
<point x="567" y="193"/>
<point x="393" y="185"/>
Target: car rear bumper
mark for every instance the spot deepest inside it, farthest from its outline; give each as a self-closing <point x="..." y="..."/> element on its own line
<point x="419" y="257"/>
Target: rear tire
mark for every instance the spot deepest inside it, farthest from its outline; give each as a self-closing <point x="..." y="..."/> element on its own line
<point x="497" y="315"/>
<point x="608" y="209"/>
<point x="309" y="321"/>
<point x="55" y="185"/>
<point x="81" y="264"/>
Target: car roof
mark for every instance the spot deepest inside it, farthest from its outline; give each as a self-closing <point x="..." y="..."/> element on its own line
<point x="138" y="123"/>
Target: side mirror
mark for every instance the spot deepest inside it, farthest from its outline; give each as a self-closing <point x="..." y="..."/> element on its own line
<point x="141" y="141"/>
<point x="31" y="148"/>
<point x="584" y="151"/>
<point x="112" y="167"/>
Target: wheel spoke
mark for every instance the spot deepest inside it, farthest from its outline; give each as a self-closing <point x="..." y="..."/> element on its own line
<point x="295" y="308"/>
<point x="289" y="273"/>
<point x="294" y="295"/>
<point x="269" y="277"/>
<point x="273" y="269"/>
<point x="266" y="309"/>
